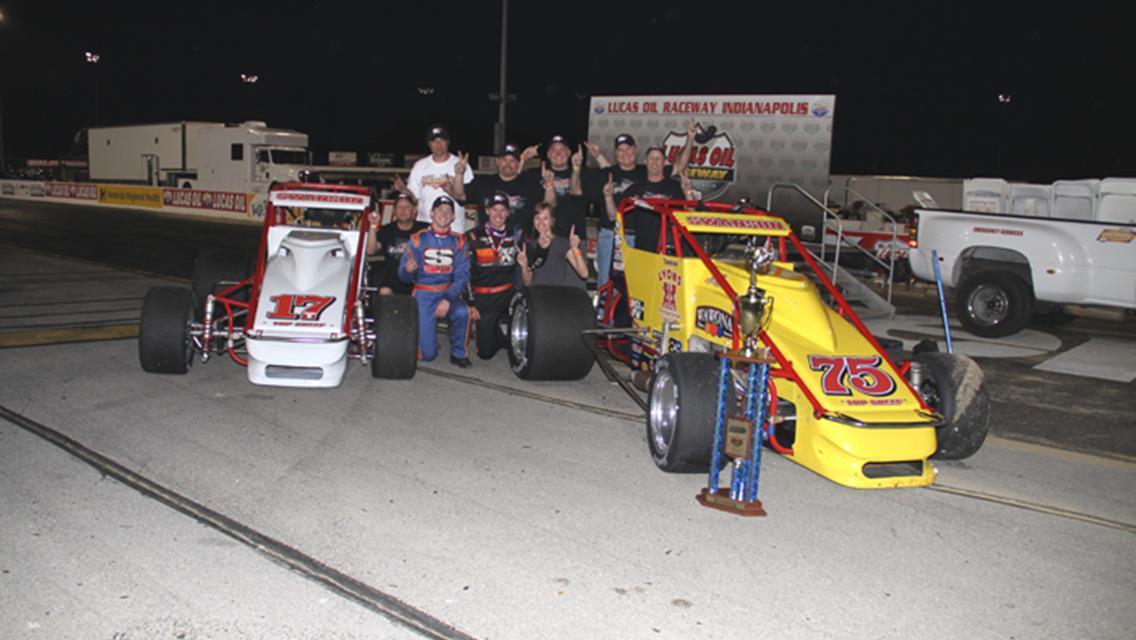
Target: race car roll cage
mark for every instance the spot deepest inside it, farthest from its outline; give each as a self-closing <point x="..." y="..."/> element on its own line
<point x="610" y="297"/>
<point x="354" y="321"/>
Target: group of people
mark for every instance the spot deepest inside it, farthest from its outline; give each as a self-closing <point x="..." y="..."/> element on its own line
<point x="530" y="229"/>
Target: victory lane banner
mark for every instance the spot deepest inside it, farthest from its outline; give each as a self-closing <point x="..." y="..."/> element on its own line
<point x="742" y="145"/>
<point x="130" y="195"/>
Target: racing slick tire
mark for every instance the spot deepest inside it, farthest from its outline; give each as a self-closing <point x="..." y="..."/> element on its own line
<point x="952" y="384"/>
<point x="395" y="356"/>
<point x="992" y="304"/>
<point x="682" y="407"/>
<point x="164" y="341"/>
<point x="545" y="333"/>
<point x="213" y="267"/>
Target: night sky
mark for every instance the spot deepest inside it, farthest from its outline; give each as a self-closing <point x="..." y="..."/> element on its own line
<point x="917" y="84"/>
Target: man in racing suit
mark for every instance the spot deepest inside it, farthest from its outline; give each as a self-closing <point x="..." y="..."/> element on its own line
<point x="436" y="261"/>
<point x="494" y="246"/>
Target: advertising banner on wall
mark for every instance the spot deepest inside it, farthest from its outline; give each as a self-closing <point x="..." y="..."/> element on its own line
<point x="743" y="145"/>
<point x="79" y="190"/>
<point x="130" y="195"/>
<point x="214" y="200"/>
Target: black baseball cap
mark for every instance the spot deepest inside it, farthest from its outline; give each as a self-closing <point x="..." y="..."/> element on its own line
<point x="402" y="196"/>
<point x="498" y="197"/>
<point x="511" y="150"/>
<point x="624" y="138"/>
<point x="559" y="139"/>
<point x="437" y="131"/>
<point x="441" y="200"/>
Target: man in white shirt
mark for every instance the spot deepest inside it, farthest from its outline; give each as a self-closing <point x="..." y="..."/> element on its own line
<point x="432" y="175"/>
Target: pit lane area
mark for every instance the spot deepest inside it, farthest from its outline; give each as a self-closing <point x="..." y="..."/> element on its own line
<point x="513" y="509"/>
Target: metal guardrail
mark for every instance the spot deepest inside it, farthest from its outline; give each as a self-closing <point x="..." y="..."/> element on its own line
<point x="889" y="266"/>
<point x="838" y="223"/>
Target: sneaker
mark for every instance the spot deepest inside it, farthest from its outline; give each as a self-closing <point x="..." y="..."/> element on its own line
<point x="463" y="363"/>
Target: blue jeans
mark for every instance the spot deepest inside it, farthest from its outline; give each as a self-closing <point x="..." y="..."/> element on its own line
<point x="605" y="246"/>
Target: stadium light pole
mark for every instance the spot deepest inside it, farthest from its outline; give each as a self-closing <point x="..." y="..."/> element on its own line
<point x="93" y="58"/>
<point x="502" y="96"/>
<point x="3" y="159"/>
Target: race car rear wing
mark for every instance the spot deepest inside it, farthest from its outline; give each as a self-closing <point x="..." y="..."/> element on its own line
<point x="320" y="199"/>
<point x="732" y="223"/>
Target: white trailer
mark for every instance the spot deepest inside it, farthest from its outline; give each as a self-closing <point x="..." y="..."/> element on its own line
<point x="146" y="153"/>
<point x="245" y="157"/>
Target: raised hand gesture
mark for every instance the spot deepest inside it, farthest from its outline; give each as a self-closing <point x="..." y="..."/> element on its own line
<point x="546" y="174"/>
<point x="411" y="265"/>
<point x="374" y="218"/>
<point x="462" y="164"/>
<point x="399" y="185"/>
<point x="523" y="256"/>
<point x="530" y="151"/>
<point x="593" y="148"/>
<point x="578" y="157"/>
<point x="573" y="239"/>
<point x="609" y="188"/>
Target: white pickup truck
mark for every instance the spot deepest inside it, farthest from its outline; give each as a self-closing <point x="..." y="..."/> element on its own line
<point x="1002" y="265"/>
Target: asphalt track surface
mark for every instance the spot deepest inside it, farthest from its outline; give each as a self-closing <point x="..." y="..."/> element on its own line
<point x="538" y="516"/>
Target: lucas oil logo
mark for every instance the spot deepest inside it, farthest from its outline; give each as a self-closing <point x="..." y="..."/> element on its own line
<point x="714" y="321"/>
<point x="712" y="161"/>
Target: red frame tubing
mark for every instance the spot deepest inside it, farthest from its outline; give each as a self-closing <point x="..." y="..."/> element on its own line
<point x="271" y="219"/>
<point x="851" y="316"/>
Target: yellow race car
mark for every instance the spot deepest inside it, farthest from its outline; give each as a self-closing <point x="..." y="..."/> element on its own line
<point x="719" y="280"/>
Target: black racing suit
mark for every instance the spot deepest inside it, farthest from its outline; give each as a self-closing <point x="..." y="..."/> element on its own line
<point x="494" y="276"/>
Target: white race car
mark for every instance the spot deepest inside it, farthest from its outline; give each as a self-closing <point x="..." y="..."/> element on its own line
<point x="299" y="312"/>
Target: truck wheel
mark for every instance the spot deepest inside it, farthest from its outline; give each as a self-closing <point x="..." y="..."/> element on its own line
<point x="165" y="344"/>
<point x="682" y="407"/>
<point x="952" y="385"/>
<point x="211" y="269"/>
<point x="992" y="304"/>
<point x="396" y="337"/>
<point x="545" y="333"/>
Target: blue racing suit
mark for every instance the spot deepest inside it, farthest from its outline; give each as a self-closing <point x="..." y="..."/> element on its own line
<point x="442" y="274"/>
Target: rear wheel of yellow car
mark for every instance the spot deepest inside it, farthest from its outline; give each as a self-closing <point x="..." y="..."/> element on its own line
<point x="546" y="339"/>
<point x="682" y="406"/>
<point x="952" y="385"/>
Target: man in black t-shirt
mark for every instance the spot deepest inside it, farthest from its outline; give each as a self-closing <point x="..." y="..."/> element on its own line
<point x="568" y="179"/>
<point x="523" y="190"/>
<point x="391" y="240"/>
<point x="643" y="226"/>
<point x="625" y="173"/>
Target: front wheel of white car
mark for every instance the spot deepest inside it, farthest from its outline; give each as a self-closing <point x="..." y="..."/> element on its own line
<point x="165" y="344"/>
<point x="395" y="322"/>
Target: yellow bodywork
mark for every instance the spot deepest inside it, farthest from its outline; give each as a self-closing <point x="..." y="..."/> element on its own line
<point x="680" y="299"/>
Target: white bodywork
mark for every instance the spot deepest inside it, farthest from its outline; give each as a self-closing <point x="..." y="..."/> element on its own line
<point x="299" y="336"/>
<point x="1069" y="261"/>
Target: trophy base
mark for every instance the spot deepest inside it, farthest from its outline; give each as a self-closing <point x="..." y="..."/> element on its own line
<point x="729" y="505"/>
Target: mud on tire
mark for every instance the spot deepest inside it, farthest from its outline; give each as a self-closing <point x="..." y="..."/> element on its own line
<point x="953" y="385"/>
